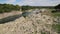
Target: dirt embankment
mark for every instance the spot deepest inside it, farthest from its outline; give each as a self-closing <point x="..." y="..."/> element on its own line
<point x="3" y="15"/>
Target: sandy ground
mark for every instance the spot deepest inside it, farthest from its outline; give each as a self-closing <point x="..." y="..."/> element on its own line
<point x="3" y="15"/>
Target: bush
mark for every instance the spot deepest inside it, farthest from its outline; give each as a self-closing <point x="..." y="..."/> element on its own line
<point x="8" y="7"/>
<point x="54" y="11"/>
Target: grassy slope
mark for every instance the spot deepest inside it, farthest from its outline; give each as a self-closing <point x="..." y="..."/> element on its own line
<point x="56" y="14"/>
<point x="57" y="26"/>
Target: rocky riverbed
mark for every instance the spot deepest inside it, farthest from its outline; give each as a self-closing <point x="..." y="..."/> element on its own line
<point x="36" y="22"/>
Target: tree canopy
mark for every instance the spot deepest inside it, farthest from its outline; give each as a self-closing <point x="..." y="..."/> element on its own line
<point x="57" y="7"/>
<point x="8" y="7"/>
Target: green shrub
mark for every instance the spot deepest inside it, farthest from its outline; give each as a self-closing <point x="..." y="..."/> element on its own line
<point x="8" y="7"/>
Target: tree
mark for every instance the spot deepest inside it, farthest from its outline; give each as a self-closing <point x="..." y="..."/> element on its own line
<point x="57" y="7"/>
<point x="8" y="7"/>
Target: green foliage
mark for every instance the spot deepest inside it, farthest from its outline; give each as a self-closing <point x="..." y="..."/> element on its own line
<point x="26" y="8"/>
<point x="8" y="7"/>
<point x="56" y="14"/>
<point x="43" y="32"/>
<point x="53" y="11"/>
<point x="56" y="27"/>
<point x="57" y="7"/>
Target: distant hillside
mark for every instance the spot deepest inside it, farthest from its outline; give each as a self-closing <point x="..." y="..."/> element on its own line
<point x="8" y="7"/>
<point x="27" y="7"/>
